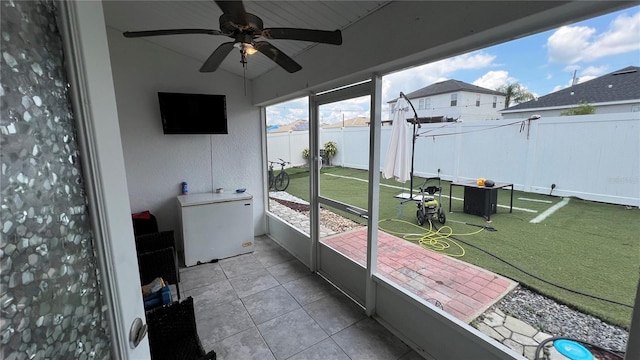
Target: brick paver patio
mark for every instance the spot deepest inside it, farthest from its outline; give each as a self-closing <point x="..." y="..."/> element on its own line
<point x="464" y="290"/>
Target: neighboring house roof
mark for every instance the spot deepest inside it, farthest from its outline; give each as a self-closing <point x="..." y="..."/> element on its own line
<point x="620" y="85"/>
<point x="359" y="121"/>
<point x="300" y="124"/>
<point x="449" y="86"/>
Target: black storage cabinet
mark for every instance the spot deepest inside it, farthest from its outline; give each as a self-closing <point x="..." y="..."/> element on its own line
<point x="480" y="201"/>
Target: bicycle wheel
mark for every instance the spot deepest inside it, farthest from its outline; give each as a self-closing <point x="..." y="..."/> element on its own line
<point x="270" y="181"/>
<point x="282" y="181"/>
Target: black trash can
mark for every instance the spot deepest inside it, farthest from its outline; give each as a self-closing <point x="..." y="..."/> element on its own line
<point x="144" y="223"/>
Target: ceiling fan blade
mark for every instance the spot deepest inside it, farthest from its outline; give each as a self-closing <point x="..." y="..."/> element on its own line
<point x="217" y="57"/>
<point x="235" y="9"/>
<point x="134" y="34"/>
<point x="319" y="36"/>
<point x="277" y="56"/>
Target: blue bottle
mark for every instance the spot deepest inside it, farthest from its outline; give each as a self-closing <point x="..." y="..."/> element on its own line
<point x="185" y="188"/>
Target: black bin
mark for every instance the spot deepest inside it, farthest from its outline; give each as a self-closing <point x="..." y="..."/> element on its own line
<point x="144" y="223"/>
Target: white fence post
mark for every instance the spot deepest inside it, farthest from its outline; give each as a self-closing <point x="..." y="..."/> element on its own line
<point x="532" y="144"/>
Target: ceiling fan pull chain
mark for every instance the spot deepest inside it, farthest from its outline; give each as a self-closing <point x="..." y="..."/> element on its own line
<point x="243" y="60"/>
<point x="244" y="77"/>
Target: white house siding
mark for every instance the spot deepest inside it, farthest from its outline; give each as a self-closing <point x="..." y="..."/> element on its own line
<point x="486" y="111"/>
<point x="465" y="109"/>
<point x="601" y="109"/>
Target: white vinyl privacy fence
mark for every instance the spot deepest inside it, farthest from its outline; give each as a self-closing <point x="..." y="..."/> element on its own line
<point x="593" y="157"/>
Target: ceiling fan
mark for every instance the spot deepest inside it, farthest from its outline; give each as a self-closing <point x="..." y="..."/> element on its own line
<point x="245" y="28"/>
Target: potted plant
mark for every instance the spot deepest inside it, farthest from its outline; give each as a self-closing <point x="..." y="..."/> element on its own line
<point x="330" y="150"/>
<point x="305" y="154"/>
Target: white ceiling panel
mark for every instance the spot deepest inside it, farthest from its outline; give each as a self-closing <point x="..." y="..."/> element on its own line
<point x="133" y="15"/>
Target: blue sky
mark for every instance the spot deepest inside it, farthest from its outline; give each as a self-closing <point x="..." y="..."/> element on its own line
<point x="542" y="63"/>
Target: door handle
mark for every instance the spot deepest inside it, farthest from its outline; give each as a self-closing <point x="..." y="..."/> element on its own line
<point x="137" y="333"/>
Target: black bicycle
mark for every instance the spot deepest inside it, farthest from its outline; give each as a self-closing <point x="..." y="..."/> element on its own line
<point x="278" y="182"/>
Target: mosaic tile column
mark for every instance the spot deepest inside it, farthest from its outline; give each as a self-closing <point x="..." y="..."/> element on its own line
<point x="50" y="297"/>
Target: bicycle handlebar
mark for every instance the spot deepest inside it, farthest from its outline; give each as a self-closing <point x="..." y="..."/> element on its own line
<point x="281" y="162"/>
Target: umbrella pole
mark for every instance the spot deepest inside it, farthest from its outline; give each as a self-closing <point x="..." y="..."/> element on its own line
<point x="413" y="142"/>
<point x="413" y="150"/>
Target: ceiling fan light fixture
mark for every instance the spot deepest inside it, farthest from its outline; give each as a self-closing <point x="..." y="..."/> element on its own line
<point x="246" y="48"/>
<point x="249" y="49"/>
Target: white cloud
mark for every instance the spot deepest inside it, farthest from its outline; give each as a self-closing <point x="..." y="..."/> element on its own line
<point x="287" y="112"/>
<point x="582" y="79"/>
<point x="568" y="43"/>
<point x="290" y="111"/>
<point x="344" y="110"/>
<point x="623" y="36"/>
<point x="572" y="44"/>
<point x="494" y="79"/>
<point x="594" y="71"/>
<point x="571" y="68"/>
<point x="590" y="73"/>
<point x="420" y="76"/>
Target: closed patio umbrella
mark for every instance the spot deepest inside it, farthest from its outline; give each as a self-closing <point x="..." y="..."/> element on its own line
<point x="397" y="163"/>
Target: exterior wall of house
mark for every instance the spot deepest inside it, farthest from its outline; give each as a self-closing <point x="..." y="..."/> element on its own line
<point x="485" y="111"/>
<point x="465" y="108"/>
<point x="551" y="112"/>
<point x="156" y="164"/>
<point x="440" y="106"/>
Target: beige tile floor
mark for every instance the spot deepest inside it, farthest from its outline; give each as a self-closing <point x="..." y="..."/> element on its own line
<point x="268" y="305"/>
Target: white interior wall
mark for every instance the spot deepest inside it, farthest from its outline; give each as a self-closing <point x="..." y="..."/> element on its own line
<point x="156" y="164"/>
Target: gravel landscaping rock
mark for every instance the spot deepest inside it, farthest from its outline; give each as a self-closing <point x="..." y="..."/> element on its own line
<point x="553" y="318"/>
<point x="328" y="219"/>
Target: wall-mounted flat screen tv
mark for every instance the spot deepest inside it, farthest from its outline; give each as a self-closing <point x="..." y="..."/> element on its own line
<point x="193" y="113"/>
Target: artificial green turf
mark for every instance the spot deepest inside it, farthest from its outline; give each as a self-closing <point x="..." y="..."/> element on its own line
<point x="586" y="246"/>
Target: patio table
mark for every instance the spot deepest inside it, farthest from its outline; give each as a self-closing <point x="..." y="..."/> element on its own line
<point x="480" y="200"/>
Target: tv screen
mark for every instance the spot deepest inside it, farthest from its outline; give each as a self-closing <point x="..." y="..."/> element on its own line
<point x="193" y="113"/>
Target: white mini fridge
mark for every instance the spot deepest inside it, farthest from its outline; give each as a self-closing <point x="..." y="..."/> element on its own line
<point x="215" y="226"/>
